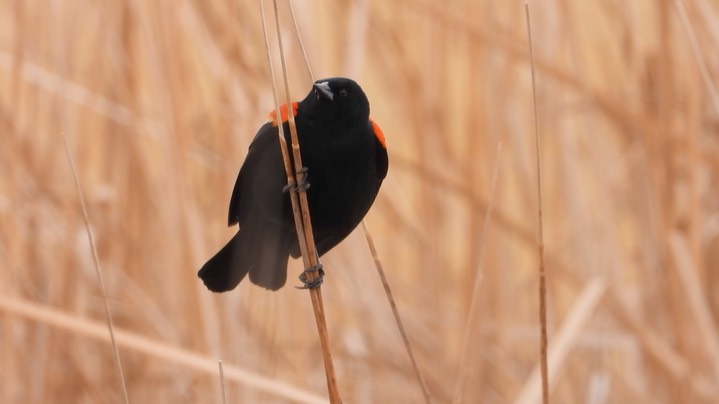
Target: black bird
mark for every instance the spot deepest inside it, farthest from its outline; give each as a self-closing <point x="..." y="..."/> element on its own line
<point x="345" y="155"/>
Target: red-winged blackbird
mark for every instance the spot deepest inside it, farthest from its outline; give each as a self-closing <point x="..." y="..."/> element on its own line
<point x="346" y="159"/>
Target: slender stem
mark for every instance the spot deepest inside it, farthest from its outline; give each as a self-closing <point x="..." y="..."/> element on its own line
<point x="701" y="61"/>
<point x="474" y="304"/>
<point x="98" y="272"/>
<point x="300" y="208"/>
<point x="222" y="382"/>
<point x="397" y="317"/>
<point x="542" y="275"/>
<point x="299" y="38"/>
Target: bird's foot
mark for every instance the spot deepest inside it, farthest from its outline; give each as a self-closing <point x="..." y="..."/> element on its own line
<point x="308" y="284"/>
<point x="303" y="185"/>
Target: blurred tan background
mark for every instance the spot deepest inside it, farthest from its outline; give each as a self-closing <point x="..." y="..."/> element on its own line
<point x="159" y="100"/>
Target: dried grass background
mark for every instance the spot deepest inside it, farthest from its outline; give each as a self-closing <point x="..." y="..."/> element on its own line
<point x="159" y="101"/>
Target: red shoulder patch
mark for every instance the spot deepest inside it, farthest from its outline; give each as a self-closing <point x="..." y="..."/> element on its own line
<point x="284" y="114"/>
<point x="378" y="132"/>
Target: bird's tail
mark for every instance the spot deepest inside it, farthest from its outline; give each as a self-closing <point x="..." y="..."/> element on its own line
<point x="228" y="267"/>
<point x="264" y="256"/>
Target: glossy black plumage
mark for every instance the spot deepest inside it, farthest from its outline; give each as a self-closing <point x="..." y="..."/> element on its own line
<point x="346" y="158"/>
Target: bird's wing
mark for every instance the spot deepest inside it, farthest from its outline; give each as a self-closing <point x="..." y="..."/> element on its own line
<point x="261" y="178"/>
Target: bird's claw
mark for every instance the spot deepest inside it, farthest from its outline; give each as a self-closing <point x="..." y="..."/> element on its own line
<point x="308" y="284"/>
<point x="304" y="185"/>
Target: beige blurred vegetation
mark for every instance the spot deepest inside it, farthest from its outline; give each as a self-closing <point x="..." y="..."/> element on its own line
<point x="158" y="101"/>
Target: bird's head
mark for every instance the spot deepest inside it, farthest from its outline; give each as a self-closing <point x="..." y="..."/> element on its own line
<point x="336" y="99"/>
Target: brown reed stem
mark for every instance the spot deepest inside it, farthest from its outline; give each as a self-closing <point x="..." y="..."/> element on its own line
<point x="222" y="381"/>
<point x="156" y="350"/>
<point x="378" y="263"/>
<point x="98" y="272"/>
<point x="299" y="39"/>
<point x="701" y="61"/>
<point x="474" y="304"/>
<point x="395" y="312"/>
<point x="283" y="143"/>
<point x="568" y="333"/>
<point x="542" y="275"/>
<point x="300" y="208"/>
<point x="310" y="259"/>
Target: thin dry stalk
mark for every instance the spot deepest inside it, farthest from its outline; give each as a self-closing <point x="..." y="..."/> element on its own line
<point x="300" y="175"/>
<point x="283" y="144"/>
<point x="694" y="293"/>
<point x="368" y="236"/>
<point x="98" y="272"/>
<point x="222" y="382"/>
<point x="657" y="349"/>
<point x="17" y="54"/>
<point x="703" y="68"/>
<point x="474" y="304"/>
<point x="66" y="89"/>
<point x="300" y="209"/>
<point x="311" y="258"/>
<point x="395" y="312"/>
<point x="567" y="336"/>
<point x="299" y="39"/>
<point x="542" y="275"/>
<point x="153" y="348"/>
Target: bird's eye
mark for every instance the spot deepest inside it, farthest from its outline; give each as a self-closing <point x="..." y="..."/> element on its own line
<point x="343" y="92"/>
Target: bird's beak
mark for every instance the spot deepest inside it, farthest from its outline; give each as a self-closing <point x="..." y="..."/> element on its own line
<point x="324" y="90"/>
